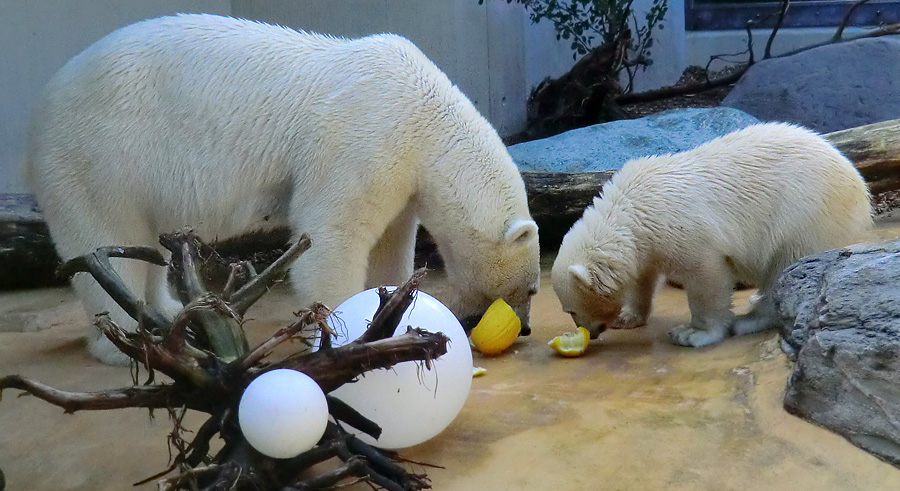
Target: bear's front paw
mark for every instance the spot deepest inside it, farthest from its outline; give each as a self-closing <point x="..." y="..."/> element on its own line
<point x="687" y="335"/>
<point x="628" y="320"/>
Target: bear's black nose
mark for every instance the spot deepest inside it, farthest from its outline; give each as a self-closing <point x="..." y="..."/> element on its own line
<point x="526" y="329"/>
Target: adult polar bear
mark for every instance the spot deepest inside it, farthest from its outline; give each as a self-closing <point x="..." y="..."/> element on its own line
<point x="228" y="125"/>
<point x="741" y="207"/>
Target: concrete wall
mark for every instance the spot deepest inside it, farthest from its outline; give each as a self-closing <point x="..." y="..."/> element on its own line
<point x="492" y="51"/>
<point x="456" y="35"/>
<point x="39" y="36"/>
<point x="668" y="51"/>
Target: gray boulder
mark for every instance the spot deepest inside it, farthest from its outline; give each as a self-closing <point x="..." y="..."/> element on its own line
<point x="607" y="146"/>
<point x="839" y="317"/>
<point x="827" y="89"/>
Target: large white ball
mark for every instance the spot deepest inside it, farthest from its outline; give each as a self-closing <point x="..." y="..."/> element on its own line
<point x="410" y="403"/>
<point x="283" y="413"/>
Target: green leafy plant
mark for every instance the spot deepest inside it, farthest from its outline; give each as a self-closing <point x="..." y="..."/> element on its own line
<point x="593" y="23"/>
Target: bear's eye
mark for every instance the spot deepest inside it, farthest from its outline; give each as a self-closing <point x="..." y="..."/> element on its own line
<point x="532" y="292"/>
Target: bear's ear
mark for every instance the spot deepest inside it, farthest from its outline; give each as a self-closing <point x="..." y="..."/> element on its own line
<point x="580" y="275"/>
<point x="521" y="231"/>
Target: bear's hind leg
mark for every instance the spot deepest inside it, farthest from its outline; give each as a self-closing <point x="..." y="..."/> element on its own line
<point x="159" y="294"/>
<point x="762" y="314"/>
<point x="760" y="318"/>
<point x="95" y="300"/>
<point x="709" y="298"/>
<point x="391" y="260"/>
<point x="82" y="232"/>
<point x="332" y="270"/>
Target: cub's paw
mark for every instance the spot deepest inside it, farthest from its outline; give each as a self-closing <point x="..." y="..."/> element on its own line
<point x="628" y="320"/>
<point x="749" y="324"/>
<point x="691" y="336"/>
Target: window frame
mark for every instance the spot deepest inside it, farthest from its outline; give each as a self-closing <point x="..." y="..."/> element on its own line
<point x="706" y="16"/>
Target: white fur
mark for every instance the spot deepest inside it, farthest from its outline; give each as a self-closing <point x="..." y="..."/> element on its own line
<point x="740" y="207"/>
<point x="227" y="126"/>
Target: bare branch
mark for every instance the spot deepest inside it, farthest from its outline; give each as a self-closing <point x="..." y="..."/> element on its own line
<point x="141" y="253"/>
<point x="333" y="431"/>
<point x="120" y="338"/>
<point x="784" y="8"/>
<point x="220" y="323"/>
<point x="287" y="472"/>
<point x="886" y="30"/>
<point x="257" y="287"/>
<point x="666" y="92"/>
<point x="392" y="307"/>
<point x="384" y="463"/>
<point x="337" y="366"/>
<point x="748" y="51"/>
<point x="188" y="476"/>
<point x="315" y="315"/>
<point x="155" y="396"/>
<point x="97" y="264"/>
<point x="839" y="33"/>
<point x="191" y="286"/>
<point x="354" y="466"/>
<point x="751" y="57"/>
<point x="238" y="276"/>
<point x="186" y="364"/>
<point x="342" y="411"/>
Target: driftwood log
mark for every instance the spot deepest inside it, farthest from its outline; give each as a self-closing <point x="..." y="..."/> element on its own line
<point x="558" y="199"/>
<point x="875" y="150"/>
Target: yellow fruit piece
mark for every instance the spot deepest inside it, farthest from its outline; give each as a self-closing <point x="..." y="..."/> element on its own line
<point x="571" y="344"/>
<point x="478" y="371"/>
<point x="497" y="329"/>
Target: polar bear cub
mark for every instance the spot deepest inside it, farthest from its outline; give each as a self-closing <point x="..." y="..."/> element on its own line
<point x="229" y="126"/>
<point x="741" y="207"/>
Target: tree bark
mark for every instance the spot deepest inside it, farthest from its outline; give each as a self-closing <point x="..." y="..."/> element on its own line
<point x="557" y="199"/>
<point x="875" y="151"/>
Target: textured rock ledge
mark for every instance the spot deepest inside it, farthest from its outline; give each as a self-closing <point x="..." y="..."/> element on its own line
<point x="839" y="315"/>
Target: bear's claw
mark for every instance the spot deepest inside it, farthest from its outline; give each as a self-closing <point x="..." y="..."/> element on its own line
<point x="628" y="320"/>
<point x="691" y="336"/>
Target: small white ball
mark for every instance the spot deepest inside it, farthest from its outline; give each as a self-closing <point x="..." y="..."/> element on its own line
<point x="411" y="405"/>
<point x="283" y="413"/>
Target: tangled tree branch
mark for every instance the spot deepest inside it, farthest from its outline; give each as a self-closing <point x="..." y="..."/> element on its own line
<point x="205" y="354"/>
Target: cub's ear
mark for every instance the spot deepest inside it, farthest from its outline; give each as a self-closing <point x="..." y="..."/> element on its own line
<point x="580" y="275"/>
<point x="521" y="231"/>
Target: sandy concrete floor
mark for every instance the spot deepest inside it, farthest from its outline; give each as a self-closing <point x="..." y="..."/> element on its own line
<point x="634" y="413"/>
